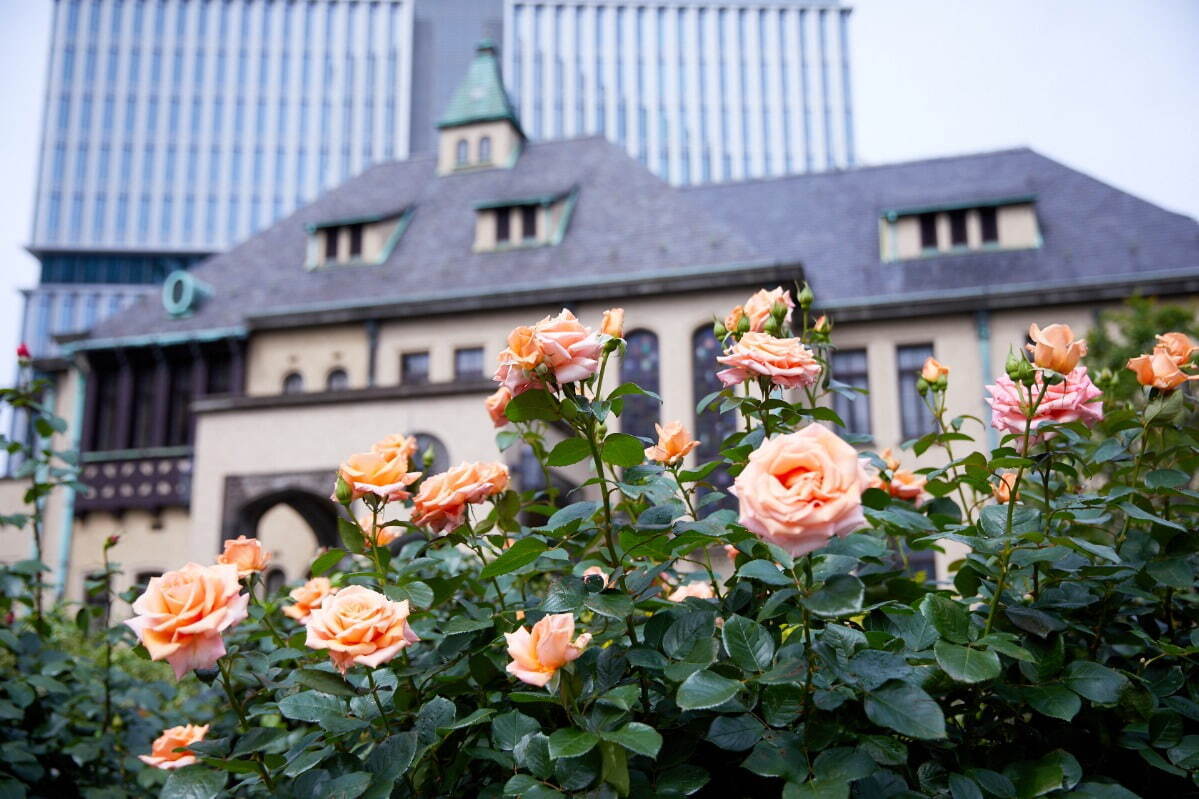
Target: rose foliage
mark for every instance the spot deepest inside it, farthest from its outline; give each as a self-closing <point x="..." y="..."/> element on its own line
<point x="644" y="633"/>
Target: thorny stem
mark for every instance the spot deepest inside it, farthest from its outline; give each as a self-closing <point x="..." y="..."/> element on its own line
<point x="370" y="679"/>
<point x="223" y="666"/>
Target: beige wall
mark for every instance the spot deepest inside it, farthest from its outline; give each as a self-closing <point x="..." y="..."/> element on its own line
<point x="313" y="352"/>
<point x="504" y="142"/>
<point x="374" y="238"/>
<point x="1017" y="224"/>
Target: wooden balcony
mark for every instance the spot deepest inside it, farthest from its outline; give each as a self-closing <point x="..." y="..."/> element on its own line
<point x="147" y="479"/>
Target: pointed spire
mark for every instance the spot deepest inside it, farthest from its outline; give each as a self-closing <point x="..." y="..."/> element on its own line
<point x="481" y="96"/>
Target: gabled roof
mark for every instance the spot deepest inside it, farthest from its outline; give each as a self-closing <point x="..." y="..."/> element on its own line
<point x="1092" y="232"/>
<point x="481" y="96"/>
<point x="626" y="225"/>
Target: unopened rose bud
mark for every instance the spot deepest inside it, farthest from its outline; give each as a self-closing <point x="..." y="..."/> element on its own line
<point x="772" y="327"/>
<point x="822" y="325"/>
<point x="427" y="457"/>
<point x="778" y="311"/>
<point x="23" y="352"/>
<point x="806" y="296"/>
<point x="1028" y="375"/>
<point x="942" y="383"/>
<point x="111" y="541"/>
<point x="921" y="386"/>
<point x="1012" y="366"/>
<point x="743" y="325"/>
<point x="613" y="323"/>
<point x="719" y="330"/>
<point x="343" y="493"/>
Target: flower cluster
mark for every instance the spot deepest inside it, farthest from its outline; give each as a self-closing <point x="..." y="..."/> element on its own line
<point x="1163" y="368"/>
<point x="382" y="472"/>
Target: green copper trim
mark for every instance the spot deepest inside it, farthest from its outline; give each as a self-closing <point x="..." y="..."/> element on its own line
<point x="313" y="227"/>
<point x="564" y="223"/>
<point x="137" y="454"/>
<point x="544" y="199"/>
<point x="891" y="214"/>
<point x="481" y="96"/>
<point x="155" y="339"/>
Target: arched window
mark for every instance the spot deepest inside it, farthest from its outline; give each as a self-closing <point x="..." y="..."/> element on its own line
<point x="441" y="456"/>
<point x="275" y="578"/>
<point x="640" y="365"/>
<point x="293" y="383"/>
<point x="711" y="427"/>
<point x="463" y="154"/>
<point x="337" y="380"/>
<point x="485" y="150"/>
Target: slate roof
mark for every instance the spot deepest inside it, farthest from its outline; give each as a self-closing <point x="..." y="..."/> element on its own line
<point x="829" y="221"/>
<point x="626" y="223"/>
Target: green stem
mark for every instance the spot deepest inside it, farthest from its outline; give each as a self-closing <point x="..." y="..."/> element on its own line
<point x="370" y="679"/>
<point x="809" y="653"/>
<point x="223" y="666"/>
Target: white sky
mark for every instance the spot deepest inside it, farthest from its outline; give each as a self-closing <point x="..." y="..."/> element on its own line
<point x="1106" y="86"/>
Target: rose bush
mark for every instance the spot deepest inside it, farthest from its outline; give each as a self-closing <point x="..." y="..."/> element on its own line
<point x="640" y="637"/>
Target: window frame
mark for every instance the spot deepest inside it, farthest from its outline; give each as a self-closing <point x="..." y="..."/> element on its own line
<point x="293" y="383"/>
<point x="503" y="223"/>
<point x="906" y="376"/>
<point x="357" y="233"/>
<point x="406" y="376"/>
<point x="484" y="150"/>
<point x="339" y="374"/>
<point x="927" y="223"/>
<point x="462" y="152"/>
<point x="461" y="375"/>
<point x="847" y="376"/>
<point x="529" y="213"/>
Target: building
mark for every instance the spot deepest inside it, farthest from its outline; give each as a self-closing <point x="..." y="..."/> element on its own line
<point x="224" y="406"/>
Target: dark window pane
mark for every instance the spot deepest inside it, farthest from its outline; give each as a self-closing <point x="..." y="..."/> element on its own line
<point x="468" y="363"/>
<point x="957" y="228"/>
<point x="461" y="152"/>
<point x="640" y="365"/>
<point x="106" y="411"/>
<point x="179" y="410"/>
<point x="337" y="380"/>
<point x="331" y="244"/>
<point x="414" y="368"/>
<point x="528" y="221"/>
<point x="928" y="231"/>
<point x="355" y="241"/>
<point x="711" y="427"/>
<point x="849" y="367"/>
<point x="915" y="415"/>
<point x="485" y="150"/>
<point x="144" y="393"/>
<point x="220" y="373"/>
<point x="502" y="225"/>
<point x="990" y="225"/>
<point x="293" y="383"/>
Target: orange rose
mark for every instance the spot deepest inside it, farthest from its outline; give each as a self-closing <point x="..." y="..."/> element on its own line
<point x="496" y="404"/>
<point x="759" y="307"/>
<point x="372" y="473"/>
<point x="537" y="655"/>
<point x="1159" y="370"/>
<point x="182" y="614"/>
<point x="358" y="625"/>
<point x="786" y="361"/>
<point x="801" y="489"/>
<point x="700" y="589"/>
<point x="307" y="598"/>
<point x="244" y="553"/>
<point x="906" y="485"/>
<point x="441" y="502"/>
<point x="162" y="751"/>
<point x="613" y="323"/>
<point x="380" y="535"/>
<point x="674" y="444"/>
<point x="822" y="325"/>
<point x="1055" y="348"/>
<point x="396" y="446"/>
<point x="1179" y="346"/>
<point x="734" y="318"/>
<point x="933" y="370"/>
<point x="1002" y="490"/>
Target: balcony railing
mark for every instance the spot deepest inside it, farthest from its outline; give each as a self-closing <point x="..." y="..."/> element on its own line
<point x="148" y="479"/>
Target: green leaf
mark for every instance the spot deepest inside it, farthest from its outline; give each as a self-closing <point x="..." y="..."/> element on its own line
<point x="993" y="520"/>
<point x="748" y="643"/>
<point x="419" y="594"/>
<point x="764" y="572"/>
<point x="465" y="624"/>
<point x="532" y="404"/>
<point x="1145" y="516"/>
<point x="311" y="706"/>
<point x="351" y="536"/>
<point x="257" y="739"/>
<point x="1095" y="682"/>
<point x="569" y="451"/>
<point x="324" y="681"/>
<point x="1056" y="701"/>
<point x="735" y="733"/>
<point x="949" y="618"/>
<point x="326" y="561"/>
<point x="907" y="709"/>
<point x="387" y="762"/>
<point x="1167" y="478"/>
<point x="615" y="767"/>
<point x="816" y="789"/>
<point x="840" y="596"/>
<point x="1034" y="621"/>
<point x="966" y="664"/>
<point x="347" y="786"/>
<point x="681" y="780"/>
<point x="508" y="728"/>
<point x="570" y="742"/>
<point x="962" y="787"/>
<point x="522" y="553"/>
<point x="622" y="449"/>
<point x="1034" y="779"/>
<point x="578" y="511"/>
<point x="636" y="737"/>
<point x="610" y="603"/>
<point x="193" y="782"/>
<point x="705" y="689"/>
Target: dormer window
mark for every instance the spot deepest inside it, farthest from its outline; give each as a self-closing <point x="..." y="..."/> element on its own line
<point x="1008" y="224"/>
<point x="479" y="129"/>
<point x="350" y="242"/>
<point x="532" y="222"/>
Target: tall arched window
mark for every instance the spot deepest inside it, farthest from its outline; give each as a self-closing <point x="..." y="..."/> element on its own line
<point x="485" y="150"/>
<point x="640" y="365"/>
<point x="462" y="152"/>
<point x="711" y="427"/>
<point x="293" y="383"/>
<point x="275" y="579"/>
<point x="337" y="380"/>
<point x="441" y="456"/>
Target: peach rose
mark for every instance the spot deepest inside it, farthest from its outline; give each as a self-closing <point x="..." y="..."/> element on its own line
<point x="519" y="362"/>
<point x="379" y="535"/>
<point x="933" y="370"/>
<point x="182" y="614"/>
<point x="162" y="751"/>
<point x="759" y="307"/>
<point x="307" y="598"/>
<point x="1055" y="348"/>
<point x="1159" y="370"/>
<point x="358" y="625"/>
<point x="373" y="473"/>
<point x="822" y="325"/>
<point x="441" y="502"/>
<point x="674" y="444"/>
<point x="1002" y="490"/>
<point x="731" y="552"/>
<point x="786" y="361"/>
<point x="613" y="323"/>
<point x="496" y="404"/>
<point x="906" y="485"/>
<point x="734" y="318"/>
<point x="244" y="553"/>
<point x="1072" y="400"/>
<point x="1179" y="346"/>
<point x="396" y="446"/>
<point x="801" y="489"/>
<point x="571" y="350"/>
<point x="700" y="589"/>
<point x="537" y="655"/>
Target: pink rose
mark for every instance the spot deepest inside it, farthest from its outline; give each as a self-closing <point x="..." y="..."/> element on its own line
<point x="1072" y="400"/>
<point x="759" y="307"/>
<point x="786" y="361"/>
<point x="496" y="404"/>
<point x="801" y="489"/>
<point x="571" y="350"/>
<point x="537" y="655"/>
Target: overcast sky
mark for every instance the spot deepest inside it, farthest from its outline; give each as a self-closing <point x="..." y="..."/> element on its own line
<point x="1106" y="86"/>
